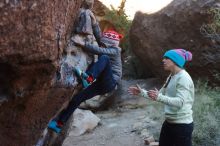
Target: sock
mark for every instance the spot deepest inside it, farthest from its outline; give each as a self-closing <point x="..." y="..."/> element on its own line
<point x="90" y="79"/>
<point x="60" y="124"/>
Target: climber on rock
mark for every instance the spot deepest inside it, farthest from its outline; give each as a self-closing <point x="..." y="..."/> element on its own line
<point x="87" y="29"/>
<point x="100" y="78"/>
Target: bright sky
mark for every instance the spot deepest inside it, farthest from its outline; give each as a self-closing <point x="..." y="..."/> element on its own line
<point x="131" y="6"/>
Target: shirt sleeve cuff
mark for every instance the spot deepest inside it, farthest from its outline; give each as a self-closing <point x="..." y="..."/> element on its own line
<point x="160" y="97"/>
<point x="143" y="93"/>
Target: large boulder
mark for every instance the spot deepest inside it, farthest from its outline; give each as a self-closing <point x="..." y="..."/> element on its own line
<point x="36" y="58"/>
<point x="33" y="35"/>
<point x="177" y="26"/>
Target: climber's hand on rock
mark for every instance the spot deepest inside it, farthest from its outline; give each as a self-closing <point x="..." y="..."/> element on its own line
<point x="78" y="40"/>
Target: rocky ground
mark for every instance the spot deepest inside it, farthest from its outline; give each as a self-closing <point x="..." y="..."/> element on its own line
<point x="127" y="127"/>
<point x="127" y="123"/>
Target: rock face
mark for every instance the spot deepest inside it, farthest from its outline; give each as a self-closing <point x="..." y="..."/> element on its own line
<point x="33" y="35"/>
<point x="177" y="26"/>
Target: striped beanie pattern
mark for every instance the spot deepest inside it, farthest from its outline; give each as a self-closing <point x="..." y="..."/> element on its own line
<point x="111" y="38"/>
<point x="179" y="56"/>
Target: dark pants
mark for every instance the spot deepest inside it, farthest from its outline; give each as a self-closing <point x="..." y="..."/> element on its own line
<point x="102" y="72"/>
<point x="176" y="134"/>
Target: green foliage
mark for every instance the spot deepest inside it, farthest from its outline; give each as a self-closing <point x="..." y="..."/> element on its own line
<point x="212" y="29"/>
<point x="122" y="24"/>
<point x="119" y="20"/>
<point x="216" y="20"/>
<point x="206" y="115"/>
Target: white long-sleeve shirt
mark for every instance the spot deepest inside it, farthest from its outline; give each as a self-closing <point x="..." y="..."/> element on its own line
<point x="178" y="98"/>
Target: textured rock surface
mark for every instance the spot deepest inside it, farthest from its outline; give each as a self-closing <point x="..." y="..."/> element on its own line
<point x="83" y="121"/>
<point x="176" y="26"/>
<point x="33" y="34"/>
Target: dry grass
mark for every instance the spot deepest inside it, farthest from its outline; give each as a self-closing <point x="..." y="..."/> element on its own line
<point x="206" y="116"/>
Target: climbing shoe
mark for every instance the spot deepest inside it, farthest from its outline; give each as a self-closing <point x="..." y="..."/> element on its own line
<point x="86" y="79"/>
<point x="55" y="126"/>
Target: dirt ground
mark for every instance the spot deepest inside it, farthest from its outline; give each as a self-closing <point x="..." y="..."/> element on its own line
<point x="117" y="128"/>
<point x="127" y="124"/>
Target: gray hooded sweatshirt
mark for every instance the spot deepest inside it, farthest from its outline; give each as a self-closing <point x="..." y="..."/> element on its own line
<point x="114" y="54"/>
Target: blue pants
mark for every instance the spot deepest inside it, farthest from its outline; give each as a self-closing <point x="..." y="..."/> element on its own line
<point x="102" y="72"/>
<point x="176" y="134"/>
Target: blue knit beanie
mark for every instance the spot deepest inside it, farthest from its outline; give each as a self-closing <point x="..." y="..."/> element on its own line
<point x="179" y="56"/>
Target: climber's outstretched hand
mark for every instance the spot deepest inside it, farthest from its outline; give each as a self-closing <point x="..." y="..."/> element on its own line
<point x="134" y="90"/>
